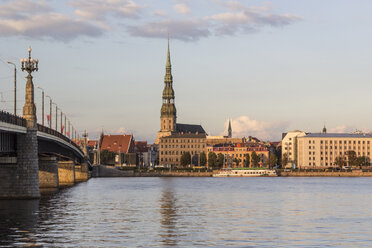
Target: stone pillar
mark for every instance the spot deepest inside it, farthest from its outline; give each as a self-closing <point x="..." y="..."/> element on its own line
<point x="29" y="109"/>
<point x="81" y="172"/>
<point x="20" y="180"/>
<point x="66" y="173"/>
<point x="48" y="173"/>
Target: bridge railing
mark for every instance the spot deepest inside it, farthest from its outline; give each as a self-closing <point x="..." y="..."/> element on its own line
<point x="20" y="121"/>
<point x="12" y="119"/>
<point x="53" y="132"/>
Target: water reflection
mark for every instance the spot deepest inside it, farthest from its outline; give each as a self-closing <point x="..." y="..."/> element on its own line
<point x="18" y="222"/>
<point x="168" y="211"/>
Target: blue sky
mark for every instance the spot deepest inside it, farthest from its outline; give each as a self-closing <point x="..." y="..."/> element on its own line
<point x="270" y="66"/>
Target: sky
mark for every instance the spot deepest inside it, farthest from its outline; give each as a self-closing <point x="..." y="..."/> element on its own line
<point x="270" y="66"/>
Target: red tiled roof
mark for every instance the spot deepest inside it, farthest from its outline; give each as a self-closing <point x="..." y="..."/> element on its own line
<point x="141" y="146"/>
<point x="114" y="143"/>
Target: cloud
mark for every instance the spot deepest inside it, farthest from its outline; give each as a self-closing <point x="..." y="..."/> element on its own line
<point x="238" y="19"/>
<point x="50" y="25"/>
<point x="341" y="129"/>
<point x="186" y="30"/>
<point x="247" y="20"/>
<point x="159" y="12"/>
<point x="181" y="8"/>
<point x="244" y="126"/>
<point x="20" y="8"/>
<point x="36" y="19"/>
<point x="100" y="9"/>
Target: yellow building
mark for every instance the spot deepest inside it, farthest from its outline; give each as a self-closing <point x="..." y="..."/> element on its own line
<point x="322" y="149"/>
<point x="239" y="150"/>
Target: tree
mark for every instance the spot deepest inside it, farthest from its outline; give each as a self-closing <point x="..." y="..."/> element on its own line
<point x="273" y="160"/>
<point x="195" y="160"/>
<point x="361" y="161"/>
<point x="212" y="157"/>
<point x="340" y="161"/>
<point x="352" y="158"/>
<point x="255" y="159"/>
<point x="237" y="161"/>
<point x="107" y="157"/>
<point x="220" y="159"/>
<point x="203" y="159"/>
<point x="247" y="161"/>
<point x="285" y="160"/>
<point x="185" y="159"/>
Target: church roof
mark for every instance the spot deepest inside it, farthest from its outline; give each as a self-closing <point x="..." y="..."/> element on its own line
<point x="189" y="128"/>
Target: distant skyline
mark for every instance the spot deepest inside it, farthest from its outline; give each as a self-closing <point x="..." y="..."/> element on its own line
<point x="271" y="66"/>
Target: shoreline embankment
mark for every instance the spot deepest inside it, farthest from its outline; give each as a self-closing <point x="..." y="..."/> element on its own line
<point x="109" y="171"/>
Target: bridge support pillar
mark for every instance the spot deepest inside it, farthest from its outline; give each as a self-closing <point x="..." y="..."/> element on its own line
<point x="20" y="180"/>
<point x="66" y="173"/>
<point x="48" y="173"/>
<point x="81" y="172"/>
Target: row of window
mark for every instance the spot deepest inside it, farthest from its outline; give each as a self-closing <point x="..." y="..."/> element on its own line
<point x="182" y="140"/>
<point x="339" y="141"/>
<point x="183" y="146"/>
<point x="345" y="147"/>
<point x="176" y="152"/>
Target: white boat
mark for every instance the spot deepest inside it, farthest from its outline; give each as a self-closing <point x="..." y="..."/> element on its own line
<point x="245" y="173"/>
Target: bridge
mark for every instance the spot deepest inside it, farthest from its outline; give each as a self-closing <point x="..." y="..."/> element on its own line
<point x="34" y="157"/>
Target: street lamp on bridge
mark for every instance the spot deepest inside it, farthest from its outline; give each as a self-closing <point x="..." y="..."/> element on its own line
<point x="29" y="110"/>
<point x="15" y="87"/>
<point x="42" y="104"/>
<point x="50" y="111"/>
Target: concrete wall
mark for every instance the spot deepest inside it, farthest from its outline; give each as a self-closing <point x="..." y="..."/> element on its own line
<point x="21" y="180"/>
<point x="81" y="172"/>
<point x="107" y="171"/>
<point x="66" y="173"/>
<point x="48" y="172"/>
<point x="356" y="173"/>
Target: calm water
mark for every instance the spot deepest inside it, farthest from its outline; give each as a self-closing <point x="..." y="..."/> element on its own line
<point x="185" y="212"/>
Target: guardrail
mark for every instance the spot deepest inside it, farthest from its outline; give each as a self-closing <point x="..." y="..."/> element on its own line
<point x="12" y="119"/>
<point x="20" y="121"/>
<point x="53" y="132"/>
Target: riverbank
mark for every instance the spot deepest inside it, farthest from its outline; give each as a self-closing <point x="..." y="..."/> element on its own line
<point x="108" y="171"/>
<point x="353" y="173"/>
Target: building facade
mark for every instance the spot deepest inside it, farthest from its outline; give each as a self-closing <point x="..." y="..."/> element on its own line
<point x="172" y="147"/>
<point x="289" y="146"/>
<point x="322" y="149"/>
<point x="239" y="151"/>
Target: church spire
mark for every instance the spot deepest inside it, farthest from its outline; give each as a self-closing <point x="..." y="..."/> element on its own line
<point x="229" y="129"/>
<point x="168" y="57"/>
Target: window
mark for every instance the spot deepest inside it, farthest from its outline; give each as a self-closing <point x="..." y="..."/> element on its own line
<point x="309" y="147"/>
<point x="309" y="141"/>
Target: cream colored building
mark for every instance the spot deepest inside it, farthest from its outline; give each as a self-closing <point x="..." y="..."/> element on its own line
<point x="322" y="149"/>
<point x="289" y="146"/>
<point x="172" y="147"/>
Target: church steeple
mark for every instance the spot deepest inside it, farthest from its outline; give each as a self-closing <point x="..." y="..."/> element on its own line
<point x="168" y="109"/>
<point x="229" y="129"/>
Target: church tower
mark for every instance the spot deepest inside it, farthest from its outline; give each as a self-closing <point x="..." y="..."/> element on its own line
<point x="168" y="109"/>
<point x="168" y="113"/>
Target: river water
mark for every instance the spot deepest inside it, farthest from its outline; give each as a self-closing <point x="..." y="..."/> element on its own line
<point x="189" y="212"/>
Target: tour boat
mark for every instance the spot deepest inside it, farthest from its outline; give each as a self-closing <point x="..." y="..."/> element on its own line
<point x="245" y="173"/>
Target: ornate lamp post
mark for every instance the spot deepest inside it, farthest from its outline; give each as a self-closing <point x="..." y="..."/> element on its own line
<point x="29" y="110"/>
<point x="42" y="105"/>
<point x="15" y="87"/>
